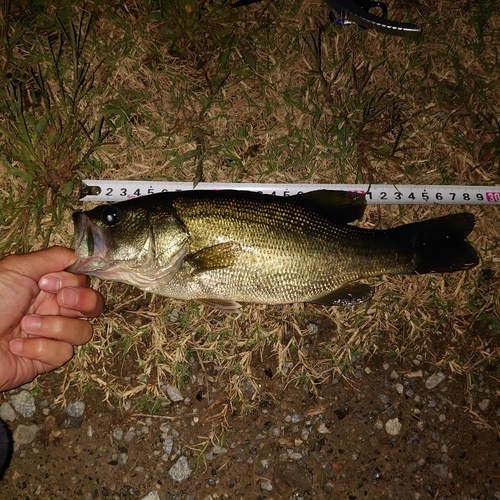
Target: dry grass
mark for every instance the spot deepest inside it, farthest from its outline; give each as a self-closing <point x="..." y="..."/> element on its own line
<point x="274" y="93"/>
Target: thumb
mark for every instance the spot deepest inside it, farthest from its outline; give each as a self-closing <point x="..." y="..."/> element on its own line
<point x="36" y="264"/>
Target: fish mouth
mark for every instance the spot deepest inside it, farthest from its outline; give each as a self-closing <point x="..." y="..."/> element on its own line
<point x="91" y="246"/>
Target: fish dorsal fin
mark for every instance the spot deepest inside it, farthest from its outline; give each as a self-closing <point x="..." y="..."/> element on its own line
<point x="220" y="303"/>
<point x="339" y="207"/>
<point x="346" y="295"/>
<point x="215" y="257"/>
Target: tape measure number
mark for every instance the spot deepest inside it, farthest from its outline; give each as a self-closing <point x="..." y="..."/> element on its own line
<point x="387" y="194"/>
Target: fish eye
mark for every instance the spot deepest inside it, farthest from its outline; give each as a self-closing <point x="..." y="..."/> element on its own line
<point x="110" y="216"/>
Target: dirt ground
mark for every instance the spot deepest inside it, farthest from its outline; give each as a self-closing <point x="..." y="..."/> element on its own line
<point x="335" y="442"/>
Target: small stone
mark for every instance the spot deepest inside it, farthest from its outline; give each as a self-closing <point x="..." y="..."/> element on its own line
<point x="152" y="495"/>
<point x="90" y="431"/>
<point x="180" y="471"/>
<point x="413" y="440"/>
<point x="384" y="398"/>
<point x="340" y="414"/>
<point x="434" y="380"/>
<point x="292" y="475"/>
<point x="400" y="388"/>
<point x="484" y="404"/>
<point x="323" y="429"/>
<point x="117" y="433"/>
<point x="219" y="450"/>
<point x="386" y="366"/>
<point x="24" y="404"/>
<point x="266" y="485"/>
<point x="131" y="434"/>
<point x="25" y="434"/>
<point x="441" y="470"/>
<point x="75" y="409"/>
<point x="174" y="394"/>
<point x="394" y="374"/>
<point x="70" y="423"/>
<point x="393" y="426"/>
<point x="168" y="444"/>
<point x="7" y="413"/>
<point x="368" y="371"/>
<point x="379" y="425"/>
<point x="312" y="328"/>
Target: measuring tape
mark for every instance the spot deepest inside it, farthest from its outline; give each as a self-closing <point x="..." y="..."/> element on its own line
<point x="386" y="194"/>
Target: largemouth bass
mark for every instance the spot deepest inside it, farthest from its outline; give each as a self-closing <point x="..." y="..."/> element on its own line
<point x="226" y="247"/>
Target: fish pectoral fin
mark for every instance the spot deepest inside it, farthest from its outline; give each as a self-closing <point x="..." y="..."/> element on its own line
<point x="214" y="257"/>
<point x="339" y="207"/>
<point x="220" y="303"/>
<point x="346" y="295"/>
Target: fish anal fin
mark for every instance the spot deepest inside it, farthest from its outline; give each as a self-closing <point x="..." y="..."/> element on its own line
<point x="346" y="295"/>
<point x="220" y="303"/>
<point x="215" y="257"/>
<point x="340" y="207"/>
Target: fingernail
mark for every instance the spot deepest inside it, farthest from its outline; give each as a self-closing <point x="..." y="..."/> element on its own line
<point x="16" y="346"/>
<point x="69" y="297"/>
<point x="50" y="283"/>
<point x="32" y="323"/>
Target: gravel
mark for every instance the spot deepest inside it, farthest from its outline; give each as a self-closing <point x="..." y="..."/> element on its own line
<point x="152" y="495"/>
<point x="434" y="380"/>
<point x="24" y="404"/>
<point x="25" y="434"/>
<point x="173" y="393"/>
<point x="393" y="427"/>
<point x="377" y="433"/>
<point x="75" y="409"/>
<point x="180" y="471"/>
<point x="7" y="413"/>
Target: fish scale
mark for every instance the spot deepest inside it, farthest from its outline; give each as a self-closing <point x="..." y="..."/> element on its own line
<point x="227" y="247"/>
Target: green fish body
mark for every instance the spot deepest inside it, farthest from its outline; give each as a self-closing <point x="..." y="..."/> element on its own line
<point x="226" y="247"/>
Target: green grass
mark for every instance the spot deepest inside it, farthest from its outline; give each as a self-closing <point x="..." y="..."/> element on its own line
<point x="48" y="132"/>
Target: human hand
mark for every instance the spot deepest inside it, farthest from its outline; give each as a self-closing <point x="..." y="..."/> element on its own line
<point x="41" y="311"/>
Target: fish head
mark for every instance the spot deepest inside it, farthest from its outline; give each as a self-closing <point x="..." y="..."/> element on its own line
<point x="129" y="243"/>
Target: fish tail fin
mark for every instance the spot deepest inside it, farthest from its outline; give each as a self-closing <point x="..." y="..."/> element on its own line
<point x="439" y="244"/>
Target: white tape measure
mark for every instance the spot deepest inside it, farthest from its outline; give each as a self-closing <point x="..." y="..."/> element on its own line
<point x="387" y="194"/>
